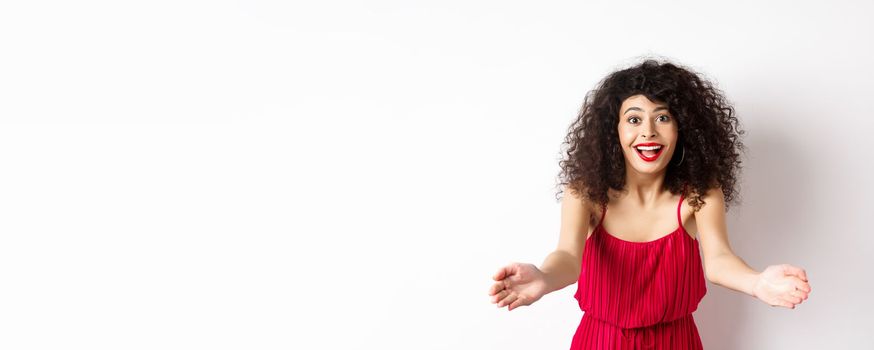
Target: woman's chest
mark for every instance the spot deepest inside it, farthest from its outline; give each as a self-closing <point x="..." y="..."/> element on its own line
<point x="630" y="226"/>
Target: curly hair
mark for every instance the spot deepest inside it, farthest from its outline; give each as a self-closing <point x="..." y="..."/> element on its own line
<point x="593" y="161"/>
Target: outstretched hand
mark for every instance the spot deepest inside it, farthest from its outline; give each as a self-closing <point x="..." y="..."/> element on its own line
<point x="782" y="285"/>
<point x="517" y="285"/>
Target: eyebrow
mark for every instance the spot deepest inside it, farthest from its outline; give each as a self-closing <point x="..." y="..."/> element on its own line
<point x="638" y="109"/>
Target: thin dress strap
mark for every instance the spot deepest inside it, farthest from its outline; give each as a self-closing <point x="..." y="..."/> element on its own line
<point x="679" y="220"/>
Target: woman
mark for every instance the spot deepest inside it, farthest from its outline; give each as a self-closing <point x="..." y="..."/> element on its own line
<point x="657" y="147"/>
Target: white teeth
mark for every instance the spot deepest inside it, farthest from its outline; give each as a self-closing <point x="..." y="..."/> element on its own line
<point x="648" y="148"/>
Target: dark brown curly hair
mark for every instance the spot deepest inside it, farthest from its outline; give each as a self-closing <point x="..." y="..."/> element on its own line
<point x="593" y="161"/>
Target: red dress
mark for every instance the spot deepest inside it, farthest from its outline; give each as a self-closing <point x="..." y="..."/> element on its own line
<point x="639" y="295"/>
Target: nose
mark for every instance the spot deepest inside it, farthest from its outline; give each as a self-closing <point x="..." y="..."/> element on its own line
<point x="647" y="132"/>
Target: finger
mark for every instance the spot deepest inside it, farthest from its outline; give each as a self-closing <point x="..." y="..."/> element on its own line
<point x="796" y="271"/>
<point x="503" y="272"/>
<point x="792" y="296"/>
<point x="791" y="299"/>
<point x="796" y="283"/>
<point x="785" y="304"/>
<point x="497" y="287"/>
<point x="802" y="285"/>
<point x="800" y="294"/>
<point x="499" y="296"/>
<point x="802" y="288"/>
<point x="510" y="298"/>
<point x="499" y="275"/>
<point x="520" y="301"/>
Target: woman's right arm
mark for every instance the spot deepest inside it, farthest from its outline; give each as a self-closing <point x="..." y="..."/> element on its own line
<point x="521" y="284"/>
<point x="561" y="268"/>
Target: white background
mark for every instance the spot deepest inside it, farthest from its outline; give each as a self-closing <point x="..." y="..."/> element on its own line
<point x="348" y="175"/>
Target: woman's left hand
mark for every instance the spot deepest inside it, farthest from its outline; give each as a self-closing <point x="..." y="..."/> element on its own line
<point x="782" y="285"/>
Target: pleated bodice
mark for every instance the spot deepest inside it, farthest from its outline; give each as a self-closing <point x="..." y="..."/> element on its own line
<point x="638" y="284"/>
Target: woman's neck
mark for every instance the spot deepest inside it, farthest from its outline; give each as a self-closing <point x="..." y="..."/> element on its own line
<point x="644" y="189"/>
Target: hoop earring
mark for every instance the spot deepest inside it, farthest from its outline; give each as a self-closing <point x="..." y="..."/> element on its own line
<point x="682" y="157"/>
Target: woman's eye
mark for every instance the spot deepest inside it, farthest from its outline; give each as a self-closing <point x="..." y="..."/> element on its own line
<point x="632" y="119"/>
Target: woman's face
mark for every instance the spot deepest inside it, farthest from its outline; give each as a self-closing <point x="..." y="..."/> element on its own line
<point x="643" y="122"/>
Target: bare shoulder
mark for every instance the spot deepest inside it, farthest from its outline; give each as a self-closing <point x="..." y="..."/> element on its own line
<point x="714" y="202"/>
<point x="578" y="201"/>
<point x="712" y="228"/>
<point x="575" y="212"/>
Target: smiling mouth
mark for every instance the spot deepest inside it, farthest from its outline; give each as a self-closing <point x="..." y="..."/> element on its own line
<point x="648" y="154"/>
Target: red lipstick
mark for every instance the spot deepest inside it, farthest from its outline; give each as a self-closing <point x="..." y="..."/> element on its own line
<point x="648" y="144"/>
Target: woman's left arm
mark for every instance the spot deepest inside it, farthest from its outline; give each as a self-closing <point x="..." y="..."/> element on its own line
<point x="778" y="285"/>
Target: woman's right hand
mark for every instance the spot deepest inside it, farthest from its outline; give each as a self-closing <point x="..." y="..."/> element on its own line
<point x="518" y="284"/>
